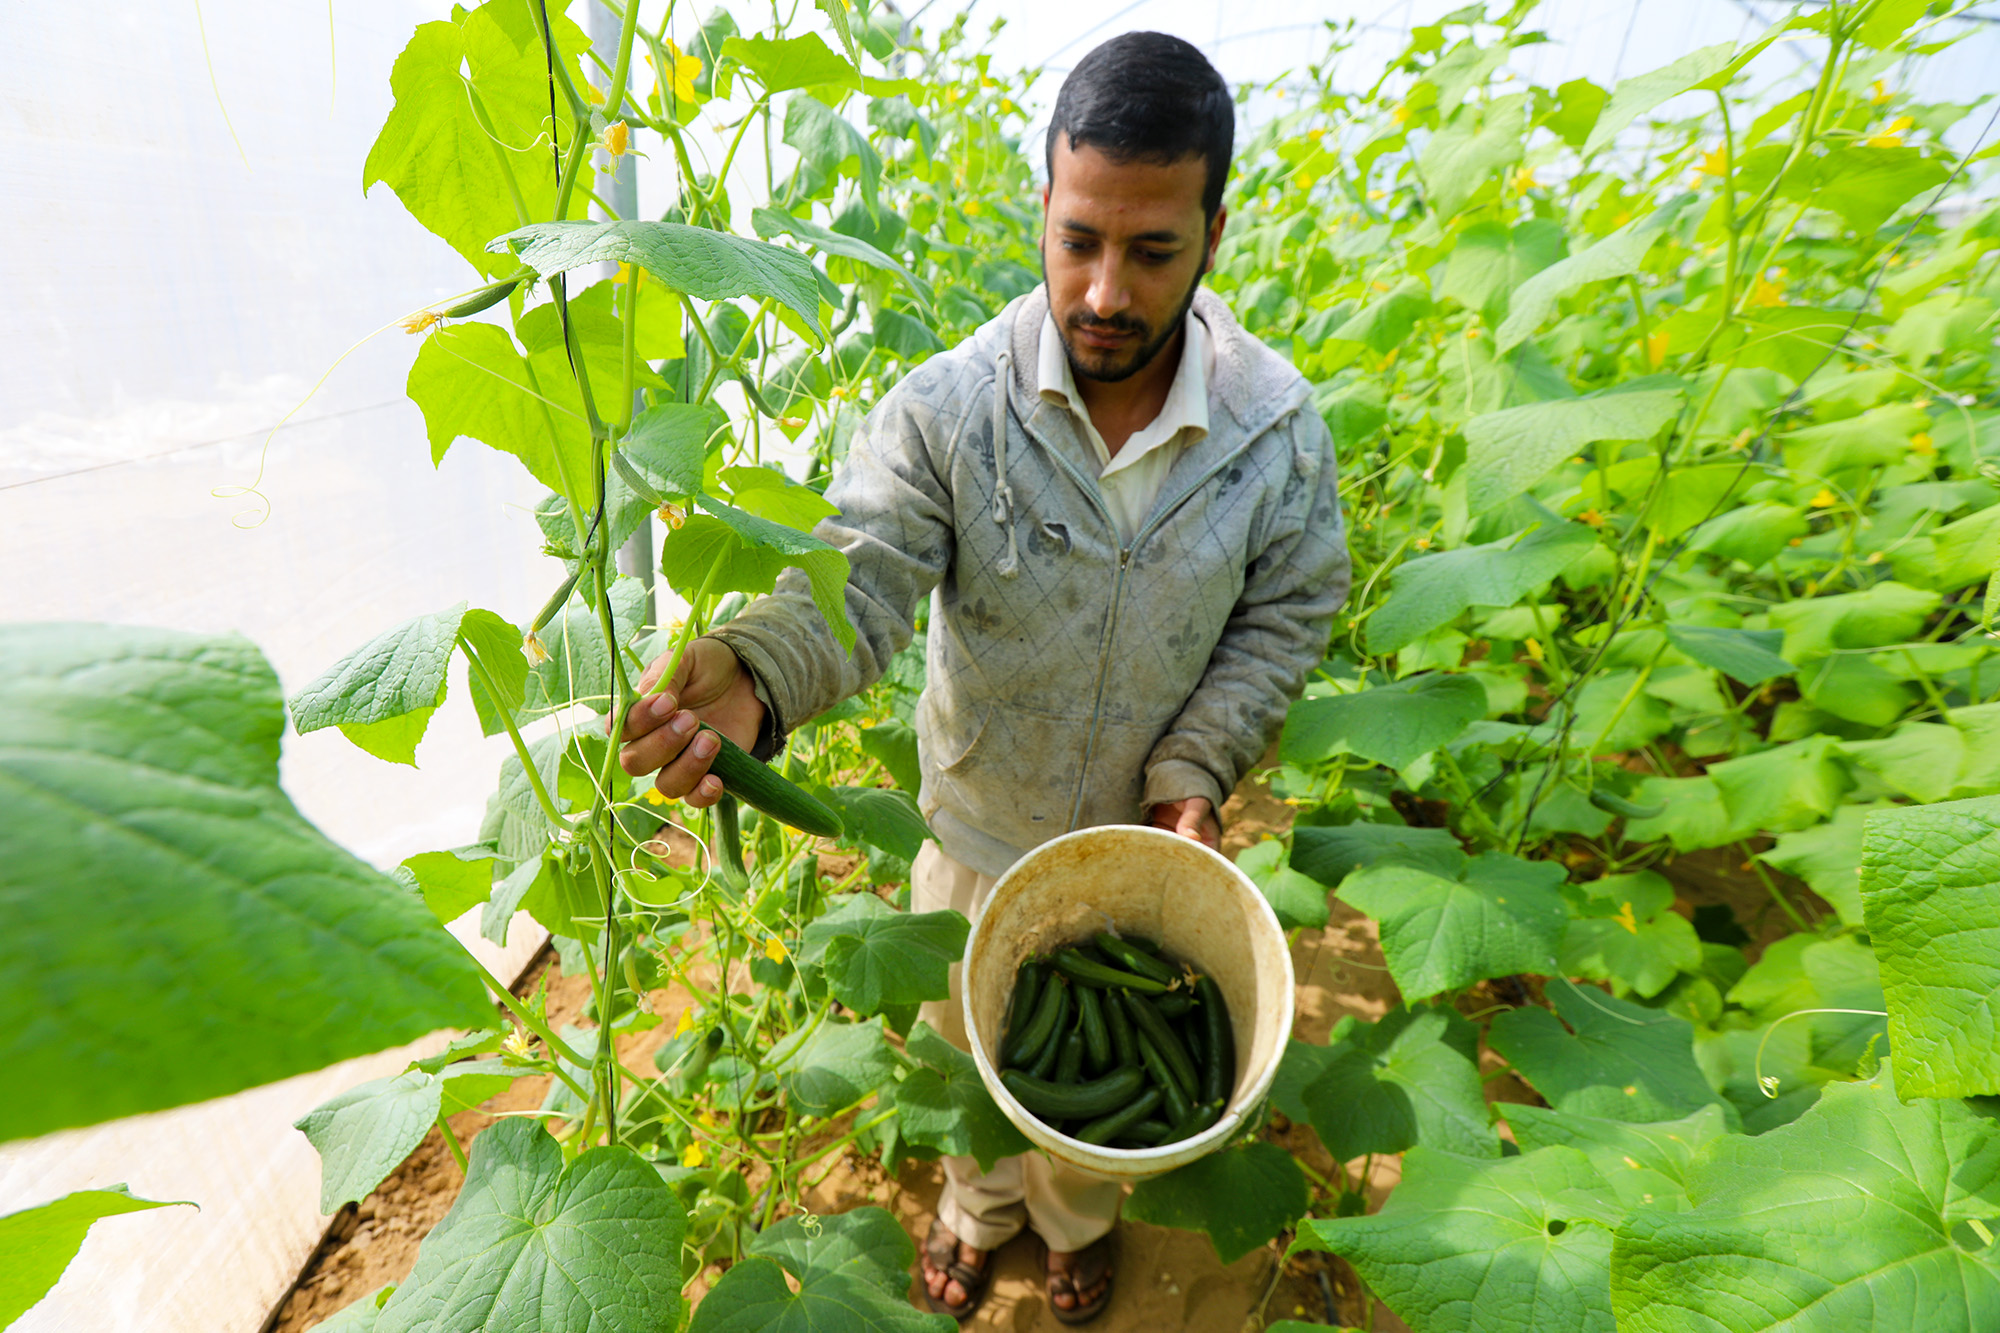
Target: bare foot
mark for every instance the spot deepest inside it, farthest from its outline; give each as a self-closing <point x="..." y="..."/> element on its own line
<point x="941" y="1285"/>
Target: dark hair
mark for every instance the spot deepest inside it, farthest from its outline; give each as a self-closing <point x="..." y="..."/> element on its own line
<point x="1149" y="96"/>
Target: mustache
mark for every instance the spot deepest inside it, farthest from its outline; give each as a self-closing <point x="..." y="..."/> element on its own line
<point x="1116" y="324"/>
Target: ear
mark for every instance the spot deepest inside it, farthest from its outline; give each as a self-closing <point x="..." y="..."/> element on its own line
<point x="1215" y="235"/>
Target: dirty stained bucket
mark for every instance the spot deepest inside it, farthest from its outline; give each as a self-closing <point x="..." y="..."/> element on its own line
<point x="1141" y="881"/>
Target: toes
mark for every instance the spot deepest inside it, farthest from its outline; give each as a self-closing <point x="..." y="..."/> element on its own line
<point x="953" y="1293"/>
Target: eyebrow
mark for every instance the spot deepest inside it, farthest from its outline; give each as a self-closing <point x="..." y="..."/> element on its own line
<point x="1157" y="237"/>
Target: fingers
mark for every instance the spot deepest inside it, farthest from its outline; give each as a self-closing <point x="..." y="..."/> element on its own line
<point x="1197" y="821"/>
<point x="682" y="755"/>
<point x="647" y="714"/>
<point x="654" y="740"/>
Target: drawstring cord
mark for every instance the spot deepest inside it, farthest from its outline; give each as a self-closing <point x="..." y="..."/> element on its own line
<point x="1003" y="494"/>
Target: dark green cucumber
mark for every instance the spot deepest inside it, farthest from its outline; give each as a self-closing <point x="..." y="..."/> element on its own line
<point x="1134" y="959"/>
<point x="759" y="784"/>
<point x="492" y="294"/>
<point x="1026" y="1044"/>
<point x="1194" y="1035"/>
<point x="1120" y="1122"/>
<point x="1198" y="1118"/>
<point x="1612" y="803"/>
<point x="1056" y="1101"/>
<point x="729" y="841"/>
<point x="1146" y="1021"/>
<point x="1178" y="1102"/>
<point x="1148" y="1132"/>
<point x="1069" y="1064"/>
<point x="1174" y="1005"/>
<point x="1123" y="1047"/>
<point x="1218" y="1058"/>
<point x="1028" y="980"/>
<point x="1044" y="1063"/>
<point x="1096" y="1035"/>
<point x="1080" y="969"/>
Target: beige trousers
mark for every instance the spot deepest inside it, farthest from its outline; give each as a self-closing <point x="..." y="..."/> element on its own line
<point x="1066" y="1207"/>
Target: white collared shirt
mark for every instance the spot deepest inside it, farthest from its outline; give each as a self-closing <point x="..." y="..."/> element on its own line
<point x="1131" y="480"/>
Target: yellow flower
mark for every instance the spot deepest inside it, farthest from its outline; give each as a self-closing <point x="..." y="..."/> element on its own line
<point x="624" y="274"/>
<point x="1592" y="517"/>
<point x="519" y="1045"/>
<point x="1713" y="163"/>
<point x="792" y="423"/>
<point x="1474" y="333"/>
<point x="1893" y="136"/>
<point x="532" y="649"/>
<point x="1389" y="357"/>
<point x="616" y="139"/>
<point x="685" y="70"/>
<point x="593" y="94"/>
<point x="1764" y="292"/>
<point x="1423" y="543"/>
<point x="687" y="1021"/>
<point x="420" y="321"/>
<point x="1400" y="113"/>
<point x="1305" y="180"/>
<point x="774" y="949"/>
<point x="1523" y="180"/>
<point x="691" y="1156"/>
<point x="1007" y="105"/>
<point x="971" y="208"/>
<point x="654" y="796"/>
<point x="1534" y="647"/>
<point x="1626" y="919"/>
<point x="1624" y="216"/>
<point x="708" y="1118"/>
<point x="1378" y="194"/>
<point x="672" y="516"/>
<point x="1742" y="440"/>
<point x="1317" y="132"/>
<point x="1824" y="500"/>
<point x="1921" y="443"/>
<point x="1656" y="347"/>
<point x="1878" y="93"/>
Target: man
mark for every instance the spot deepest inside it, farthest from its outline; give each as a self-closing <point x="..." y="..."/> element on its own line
<point x="1123" y="509"/>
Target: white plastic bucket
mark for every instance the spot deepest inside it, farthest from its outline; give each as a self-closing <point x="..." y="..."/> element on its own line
<point x="1144" y="881"/>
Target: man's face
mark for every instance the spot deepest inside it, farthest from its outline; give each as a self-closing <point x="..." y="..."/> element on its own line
<point x="1123" y="246"/>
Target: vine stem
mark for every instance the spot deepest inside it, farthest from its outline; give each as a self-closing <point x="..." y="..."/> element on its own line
<point x="514" y="734"/>
<point x="451" y="1142"/>
<point x="686" y="635"/>
<point x="533" y="1024"/>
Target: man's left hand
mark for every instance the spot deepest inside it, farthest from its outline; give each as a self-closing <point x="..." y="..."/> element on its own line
<point x="1191" y="818"/>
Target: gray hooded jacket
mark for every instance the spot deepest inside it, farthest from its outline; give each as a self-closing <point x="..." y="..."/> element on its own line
<point x="1072" y="679"/>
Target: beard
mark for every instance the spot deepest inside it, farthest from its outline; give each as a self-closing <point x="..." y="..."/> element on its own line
<point x="1105" y="367"/>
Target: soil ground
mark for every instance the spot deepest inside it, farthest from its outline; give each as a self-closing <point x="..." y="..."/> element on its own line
<point x="1165" y="1279"/>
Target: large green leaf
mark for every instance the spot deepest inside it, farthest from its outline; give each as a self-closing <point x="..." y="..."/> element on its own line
<point x="1464" y="153"/>
<point x="1886" y="613"/>
<point x="754" y="1297"/>
<point x="577" y="669"/>
<point x="867" y="1244"/>
<point x="1853" y="1219"/>
<point x="876" y="957"/>
<point x="1299" y="900"/>
<point x="146" y="844"/>
<point x="1384" y="1087"/>
<point x="532" y="1243"/>
<point x="713" y="265"/>
<point x="1746" y="655"/>
<point x="452" y="883"/>
<point x="1827" y="857"/>
<point x="895" y="745"/>
<point x="770" y="222"/>
<point x="752" y="552"/>
<point x="363" y="1134"/>
<point x="1930" y="889"/>
<point x="1240" y="1196"/>
<point x="1472" y="1245"/>
<point x="1386" y="321"/>
<point x="1785" y="787"/>
<point x="1329" y="852"/>
<point x="1635" y="96"/>
<point x="1613" y="1059"/>
<point x="943" y="1104"/>
<point x="36" y="1244"/>
<point x="1626" y="933"/>
<point x="398" y="673"/>
<point x="1433" y="590"/>
<point x="883" y="817"/>
<point x="1647" y="1165"/>
<point x="1501" y="915"/>
<point x="827" y="143"/>
<point x="1616" y="256"/>
<point x="446" y="166"/>
<point x="833" y="1066"/>
<point x="784" y="63"/>
<point x="471" y="381"/>
<point x="1510" y="450"/>
<point x="1866" y="183"/>
<point x="1491" y="260"/>
<point x="1394" y="724"/>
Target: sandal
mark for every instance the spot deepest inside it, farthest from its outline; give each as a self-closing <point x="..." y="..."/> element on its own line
<point x="1090" y="1265"/>
<point x="941" y="1248"/>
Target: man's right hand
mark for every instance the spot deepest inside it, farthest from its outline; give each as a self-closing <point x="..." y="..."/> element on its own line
<point x="711" y="686"/>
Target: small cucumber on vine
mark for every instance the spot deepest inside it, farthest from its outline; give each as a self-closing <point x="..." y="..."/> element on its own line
<point x="1612" y="803"/>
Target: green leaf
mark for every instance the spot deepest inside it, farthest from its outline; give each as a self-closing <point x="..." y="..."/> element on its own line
<point x="1827" y="857"/>
<point x="1432" y="591"/>
<point x="470" y="381"/>
<point x="905" y="337"/>
<point x="1510" y="450"/>
<point x="533" y="1243"/>
<point x="753" y="1297"/>
<point x="1692" y="814"/>
<point x="1386" y="321"/>
<point x="894" y="744"/>
<point x="1241" y="1196"/>
<point x="668" y="445"/>
<point x="782" y="64"/>
<point x="771" y="222"/>
<point x="357" y="1316"/>
<point x="827" y="143"/>
<point x="445" y="166"/>
<point x="497" y="645"/>
<point x="769" y="493"/>
<point x="1749" y="656"/>
<point x="1635" y="96"/>
<point x="883" y="817"/>
<point x="1922" y="760"/>
<point x="1474" y="1245"/>
<point x="1491" y="260"/>
<point x="832" y="1066"/>
<point x="453" y="882"/>
<point x="146" y="836"/>
<point x="753" y="552"/>
<point x="1647" y="1165"/>
<point x="1501" y="915"/>
<point x="1637" y="952"/>
<point x="1328" y="853"/>
<point x="1785" y="787"/>
<point x="1752" y="533"/>
<point x="578" y="669"/>
<point x="712" y="265"/>
<point x="1463" y="154"/>
<point x="38" y="1243"/>
<point x="1384" y="1087"/>
<point x="1928" y="888"/>
<point x="1614" y="1059"/>
<point x="1616" y="256"/>
<point x="944" y="1105"/>
<point x="1394" y="724"/>
<point x="866" y="1244"/>
<point x="1853" y="1217"/>
<point x="1884" y="614"/>
<point x="1866" y="184"/>
<point x="1299" y="900"/>
<point x="1876" y="438"/>
<point x="398" y="672"/>
<point x="364" y="1133"/>
<point x="876" y="957"/>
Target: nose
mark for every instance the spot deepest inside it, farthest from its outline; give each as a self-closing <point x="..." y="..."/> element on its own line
<point x="1107" y="295"/>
